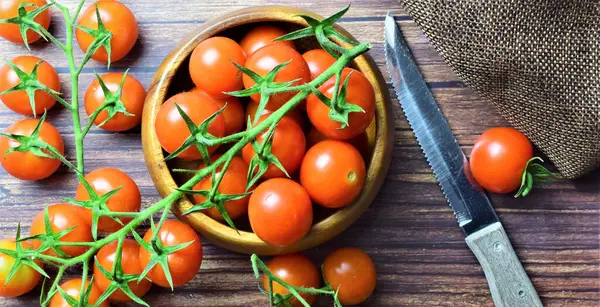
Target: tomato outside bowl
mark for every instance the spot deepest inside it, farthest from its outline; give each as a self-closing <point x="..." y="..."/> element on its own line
<point x="173" y="77"/>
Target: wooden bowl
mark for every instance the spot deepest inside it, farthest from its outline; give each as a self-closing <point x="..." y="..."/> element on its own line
<point x="173" y="77"/>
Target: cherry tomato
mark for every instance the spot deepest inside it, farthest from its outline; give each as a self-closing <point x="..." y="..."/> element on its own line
<point x="127" y="199"/>
<point x="26" y="165"/>
<point x="263" y="60"/>
<point x="499" y="158"/>
<point x="289" y="145"/>
<point x="24" y="280"/>
<point x="294" y="114"/>
<point x="130" y="263"/>
<point x="10" y="9"/>
<point x="234" y="182"/>
<point x="280" y="212"/>
<point x="184" y="263"/>
<point x="171" y="129"/>
<point x="18" y="101"/>
<point x="360" y="142"/>
<point x="360" y="92"/>
<point x="333" y="173"/>
<point x="351" y="271"/>
<point x="62" y="217"/>
<point x="211" y="68"/>
<point x="262" y="36"/>
<point x="133" y="95"/>
<point x="296" y="270"/>
<point x="118" y="20"/>
<point x="73" y="288"/>
<point x="318" y="61"/>
<point x="233" y="113"/>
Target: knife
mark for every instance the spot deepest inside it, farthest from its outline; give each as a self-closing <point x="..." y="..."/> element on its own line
<point x="508" y="281"/>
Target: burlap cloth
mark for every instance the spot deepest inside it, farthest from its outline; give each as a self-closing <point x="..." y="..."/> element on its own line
<point x="537" y="62"/>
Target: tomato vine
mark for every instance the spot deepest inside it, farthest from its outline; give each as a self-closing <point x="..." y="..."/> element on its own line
<point x="326" y="35"/>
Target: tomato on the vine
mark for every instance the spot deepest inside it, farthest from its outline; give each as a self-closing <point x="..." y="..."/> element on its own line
<point x="26" y="165"/>
<point x="211" y="68"/>
<point x="360" y="92"/>
<point x="184" y="263"/>
<point x="72" y="287"/>
<point x="289" y="145"/>
<point x="130" y="264"/>
<point x="263" y="60"/>
<point x="294" y="114"/>
<point x="10" y="9"/>
<point x="18" y="101"/>
<point x="262" y="36"/>
<point x="133" y="95"/>
<point x="318" y="61"/>
<point x="499" y="158"/>
<point x="118" y="20"/>
<point x="172" y="130"/>
<point x="234" y="182"/>
<point x="280" y="212"/>
<point x="62" y="217"/>
<point x="233" y="113"/>
<point x="127" y="199"/>
<point x="352" y="272"/>
<point x="296" y="270"/>
<point x="333" y="173"/>
<point x="24" y="280"/>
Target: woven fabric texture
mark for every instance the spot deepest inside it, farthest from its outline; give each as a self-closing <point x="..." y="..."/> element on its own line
<point x="537" y="62"/>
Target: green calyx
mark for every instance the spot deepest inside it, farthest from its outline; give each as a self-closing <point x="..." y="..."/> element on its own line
<point x="159" y="253"/>
<point x="279" y="300"/>
<point x="534" y="172"/>
<point x="263" y="158"/>
<point x="50" y="240"/>
<point x="26" y="21"/>
<point x="22" y="256"/>
<point x="339" y="107"/>
<point x="101" y="37"/>
<point x="113" y="104"/>
<point x="30" y="84"/>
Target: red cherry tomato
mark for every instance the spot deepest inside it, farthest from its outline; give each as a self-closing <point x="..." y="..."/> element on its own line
<point x="233" y="113"/>
<point x="360" y="92"/>
<point x="294" y="114"/>
<point x="62" y="217"/>
<point x="351" y="271"/>
<point x="289" y="145"/>
<point x="360" y="142"/>
<point x="127" y="199"/>
<point x="18" y="101"/>
<point x="263" y="60"/>
<point x="280" y="212"/>
<point x="234" y="182"/>
<point x="24" y="280"/>
<point x="211" y="68"/>
<point x="26" y="165"/>
<point x="296" y="270"/>
<point x="133" y="95"/>
<point x="184" y="263"/>
<point x="499" y="158"/>
<point x="333" y="173"/>
<point x="73" y="288"/>
<point x="262" y="36"/>
<point x="171" y="129"/>
<point x="130" y="263"/>
<point x="318" y="61"/>
<point x="118" y="20"/>
<point x="10" y="9"/>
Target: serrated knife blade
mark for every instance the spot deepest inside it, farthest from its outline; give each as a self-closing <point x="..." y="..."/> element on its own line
<point x="508" y="281"/>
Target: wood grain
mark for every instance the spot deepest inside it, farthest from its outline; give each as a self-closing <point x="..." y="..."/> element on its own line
<point x="420" y="253"/>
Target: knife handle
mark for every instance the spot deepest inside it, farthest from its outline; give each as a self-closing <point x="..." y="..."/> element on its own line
<point x="509" y="284"/>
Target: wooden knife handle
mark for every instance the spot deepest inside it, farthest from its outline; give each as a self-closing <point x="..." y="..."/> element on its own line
<point x="509" y="284"/>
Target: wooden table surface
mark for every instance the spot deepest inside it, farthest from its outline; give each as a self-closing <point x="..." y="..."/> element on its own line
<point x="411" y="233"/>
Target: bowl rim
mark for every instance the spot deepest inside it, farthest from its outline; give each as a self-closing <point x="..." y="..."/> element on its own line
<point x="221" y="234"/>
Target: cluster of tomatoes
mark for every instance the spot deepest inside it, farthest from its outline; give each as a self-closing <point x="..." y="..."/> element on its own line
<point x="323" y="155"/>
